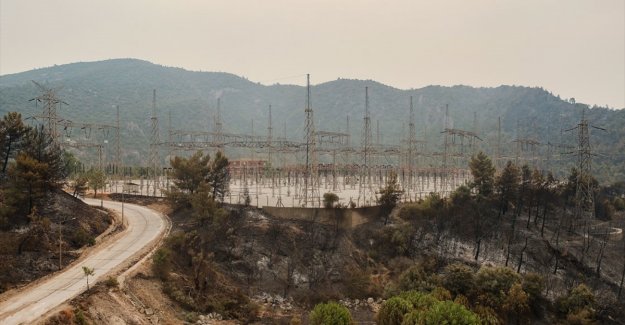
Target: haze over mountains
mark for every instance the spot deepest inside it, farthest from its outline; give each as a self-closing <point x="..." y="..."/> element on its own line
<point x="93" y="89"/>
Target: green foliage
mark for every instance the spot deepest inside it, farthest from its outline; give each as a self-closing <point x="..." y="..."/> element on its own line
<point x="79" y="185"/>
<point x="12" y="130"/>
<point x="27" y="184"/>
<point x="516" y="303"/>
<point x="534" y="285"/>
<point x="247" y="200"/>
<point x="459" y="279"/>
<point x="111" y="282"/>
<point x="495" y="280"/>
<point x="414" y="307"/>
<point x="431" y="207"/>
<point x="393" y="310"/>
<point x="415" y="278"/>
<point x="161" y="263"/>
<point x="604" y="209"/>
<point x="88" y="272"/>
<point x="71" y="164"/>
<point x="442" y="312"/>
<point x="389" y="195"/>
<point x="461" y="195"/>
<point x="392" y="241"/>
<point x="198" y="173"/>
<point x="507" y="184"/>
<point x="488" y="315"/>
<point x="619" y="204"/>
<point x="329" y="200"/>
<point x="578" y="299"/>
<point x="483" y="173"/>
<point x="80" y="237"/>
<point x="493" y="284"/>
<point x="330" y="313"/>
<point x="419" y="300"/>
<point x="80" y="317"/>
<point x="218" y="177"/>
<point x="198" y="184"/>
<point x="97" y="180"/>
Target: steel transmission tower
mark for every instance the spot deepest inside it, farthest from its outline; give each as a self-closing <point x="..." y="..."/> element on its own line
<point x="584" y="191"/>
<point x="154" y="160"/>
<point x="118" y="150"/>
<point x="311" y="192"/>
<point x="50" y="102"/>
<point x="219" y="128"/>
<point x="269" y="140"/>
<point x="412" y="140"/>
<point x="365" y="175"/>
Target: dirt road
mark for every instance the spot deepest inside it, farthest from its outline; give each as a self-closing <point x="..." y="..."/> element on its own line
<point x="144" y="227"/>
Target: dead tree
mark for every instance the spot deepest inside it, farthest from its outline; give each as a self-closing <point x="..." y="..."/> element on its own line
<point x="620" y="287"/>
<point x="518" y="269"/>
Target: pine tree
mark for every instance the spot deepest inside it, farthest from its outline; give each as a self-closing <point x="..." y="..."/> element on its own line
<point x="483" y="173"/>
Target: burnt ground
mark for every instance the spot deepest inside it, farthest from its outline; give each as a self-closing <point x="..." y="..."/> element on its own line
<point x="257" y="254"/>
<point x="31" y="252"/>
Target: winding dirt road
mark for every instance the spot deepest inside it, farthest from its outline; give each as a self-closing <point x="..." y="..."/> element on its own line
<point x="144" y="226"/>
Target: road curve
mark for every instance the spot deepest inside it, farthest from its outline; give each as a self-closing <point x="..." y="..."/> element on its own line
<point x="143" y="227"/>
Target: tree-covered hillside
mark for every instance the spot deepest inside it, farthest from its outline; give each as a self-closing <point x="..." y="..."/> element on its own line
<point x="93" y="89"/>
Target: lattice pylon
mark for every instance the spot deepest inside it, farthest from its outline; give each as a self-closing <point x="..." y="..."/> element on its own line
<point x="310" y="189"/>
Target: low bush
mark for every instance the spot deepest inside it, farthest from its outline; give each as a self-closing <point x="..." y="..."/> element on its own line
<point x="443" y="312"/>
<point x="330" y="313"/>
<point x="161" y="263"/>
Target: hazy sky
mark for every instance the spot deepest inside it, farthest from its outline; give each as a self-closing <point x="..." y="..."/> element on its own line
<point x="574" y="48"/>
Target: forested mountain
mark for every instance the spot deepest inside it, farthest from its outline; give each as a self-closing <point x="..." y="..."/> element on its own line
<point x="93" y="89"/>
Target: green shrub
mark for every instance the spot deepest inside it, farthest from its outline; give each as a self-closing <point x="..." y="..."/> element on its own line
<point x="516" y="303"/>
<point x="492" y="284"/>
<point x="161" y="263"/>
<point x="488" y="315"/>
<point x="111" y="282"/>
<point x="459" y="279"/>
<point x="330" y="313"/>
<point x="329" y="200"/>
<point x="619" y="204"/>
<point x="534" y="285"/>
<point x="393" y="310"/>
<point x="418" y="300"/>
<point x="415" y="278"/>
<point x="81" y="238"/>
<point x="576" y="300"/>
<point x="441" y="294"/>
<point x="80" y="317"/>
<point x="443" y="312"/>
<point x="495" y="280"/>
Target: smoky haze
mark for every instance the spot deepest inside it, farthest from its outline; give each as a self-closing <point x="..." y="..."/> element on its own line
<point x="573" y="48"/>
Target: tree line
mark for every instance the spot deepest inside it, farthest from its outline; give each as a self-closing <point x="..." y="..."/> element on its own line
<point x="32" y="167"/>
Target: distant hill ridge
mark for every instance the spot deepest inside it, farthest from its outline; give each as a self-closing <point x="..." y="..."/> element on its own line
<point x="92" y="89"/>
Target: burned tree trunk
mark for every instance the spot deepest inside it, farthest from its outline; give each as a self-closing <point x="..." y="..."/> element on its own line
<point x="518" y="269"/>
